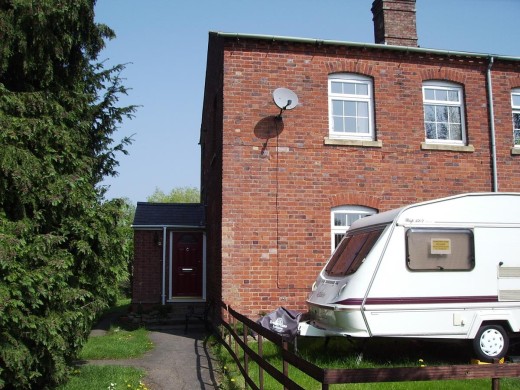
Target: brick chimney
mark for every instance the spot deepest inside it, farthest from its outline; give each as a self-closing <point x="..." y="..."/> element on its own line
<point x="394" y="22"/>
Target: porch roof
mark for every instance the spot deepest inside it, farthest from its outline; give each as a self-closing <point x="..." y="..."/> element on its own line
<point x="185" y="215"/>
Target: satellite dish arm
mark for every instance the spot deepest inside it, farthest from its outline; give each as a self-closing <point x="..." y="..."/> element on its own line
<point x="289" y="102"/>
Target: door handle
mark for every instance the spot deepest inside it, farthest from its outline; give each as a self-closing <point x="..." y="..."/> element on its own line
<point x="187" y="269"/>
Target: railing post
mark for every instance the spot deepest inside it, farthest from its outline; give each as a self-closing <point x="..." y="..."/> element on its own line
<point x="261" y="354"/>
<point x="285" y="346"/>
<point x="246" y="356"/>
<point x="223" y="320"/>
<point x="229" y="323"/>
<point x="495" y="382"/>
<point x="235" y="331"/>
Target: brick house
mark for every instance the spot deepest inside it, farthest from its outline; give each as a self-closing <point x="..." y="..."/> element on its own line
<point x="377" y="126"/>
<point x="169" y="255"/>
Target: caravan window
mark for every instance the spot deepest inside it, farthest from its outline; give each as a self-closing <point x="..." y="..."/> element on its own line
<point x="440" y="249"/>
<point x="352" y="251"/>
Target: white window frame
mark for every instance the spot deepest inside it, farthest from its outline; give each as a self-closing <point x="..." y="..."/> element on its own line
<point x="444" y="87"/>
<point x="515" y="106"/>
<point x="360" y="83"/>
<point x="355" y="212"/>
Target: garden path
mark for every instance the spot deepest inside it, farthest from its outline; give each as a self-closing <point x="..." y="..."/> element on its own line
<point x="179" y="360"/>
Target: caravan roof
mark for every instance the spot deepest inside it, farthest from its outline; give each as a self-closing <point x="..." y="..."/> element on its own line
<point x="473" y="208"/>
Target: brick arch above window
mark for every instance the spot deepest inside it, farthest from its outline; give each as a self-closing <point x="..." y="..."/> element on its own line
<point x="355" y="200"/>
<point x="452" y="75"/>
<point x="514" y="82"/>
<point x="349" y="67"/>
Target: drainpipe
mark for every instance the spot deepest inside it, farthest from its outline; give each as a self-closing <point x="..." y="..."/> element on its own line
<point x="163" y="300"/>
<point x="492" y="125"/>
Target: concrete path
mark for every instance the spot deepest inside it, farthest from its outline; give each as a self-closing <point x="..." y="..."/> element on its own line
<point x="179" y="361"/>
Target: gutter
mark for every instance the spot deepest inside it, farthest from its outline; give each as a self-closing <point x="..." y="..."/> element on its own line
<point x="412" y="49"/>
<point x="489" y="86"/>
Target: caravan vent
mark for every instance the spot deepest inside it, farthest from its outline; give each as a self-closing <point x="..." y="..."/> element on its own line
<point x="509" y="295"/>
<point x="509" y="272"/>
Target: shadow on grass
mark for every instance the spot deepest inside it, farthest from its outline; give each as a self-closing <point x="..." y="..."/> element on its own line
<point x="383" y="352"/>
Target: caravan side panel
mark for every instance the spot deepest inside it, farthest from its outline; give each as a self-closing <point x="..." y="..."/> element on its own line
<point x="444" y="303"/>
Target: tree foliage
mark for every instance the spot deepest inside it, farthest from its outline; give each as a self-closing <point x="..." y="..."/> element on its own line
<point x="176" y="195"/>
<point x="63" y="247"/>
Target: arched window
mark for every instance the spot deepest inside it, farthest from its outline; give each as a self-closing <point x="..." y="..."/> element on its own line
<point x="443" y="113"/>
<point x="350" y="107"/>
<point x="342" y="217"/>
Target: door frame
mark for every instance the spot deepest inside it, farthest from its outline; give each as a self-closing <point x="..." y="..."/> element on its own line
<point x="170" y="266"/>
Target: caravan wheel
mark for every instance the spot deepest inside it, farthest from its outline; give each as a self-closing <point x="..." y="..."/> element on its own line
<point x="491" y="342"/>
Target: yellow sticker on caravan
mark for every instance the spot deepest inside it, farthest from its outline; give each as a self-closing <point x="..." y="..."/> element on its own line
<point x="440" y="246"/>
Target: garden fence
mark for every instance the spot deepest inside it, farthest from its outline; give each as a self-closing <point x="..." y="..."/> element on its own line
<point x="235" y="329"/>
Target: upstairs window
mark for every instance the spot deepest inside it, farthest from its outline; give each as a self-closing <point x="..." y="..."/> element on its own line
<point x="350" y="107"/>
<point x="515" y="103"/>
<point x="443" y="113"/>
<point x="341" y="219"/>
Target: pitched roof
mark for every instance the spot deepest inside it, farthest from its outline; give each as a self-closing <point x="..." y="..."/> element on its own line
<point x="169" y="215"/>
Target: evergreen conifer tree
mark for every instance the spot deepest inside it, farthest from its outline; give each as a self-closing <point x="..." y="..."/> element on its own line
<point x="63" y="247"/>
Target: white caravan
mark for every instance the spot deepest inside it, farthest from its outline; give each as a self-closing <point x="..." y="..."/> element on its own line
<point x="447" y="269"/>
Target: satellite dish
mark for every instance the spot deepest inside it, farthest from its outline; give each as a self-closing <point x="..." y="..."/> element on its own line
<point x="285" y="99"/>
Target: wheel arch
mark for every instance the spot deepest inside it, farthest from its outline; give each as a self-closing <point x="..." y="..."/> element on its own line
<point x="504" y="323"/>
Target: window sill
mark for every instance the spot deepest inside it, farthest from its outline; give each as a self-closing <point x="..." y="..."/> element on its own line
<point x="515" y="150"/>
<point x="451" y="148"/>
<point x="352" y="142"/>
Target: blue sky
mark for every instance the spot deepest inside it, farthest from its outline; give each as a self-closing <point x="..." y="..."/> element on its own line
<point x="164" y="44"/>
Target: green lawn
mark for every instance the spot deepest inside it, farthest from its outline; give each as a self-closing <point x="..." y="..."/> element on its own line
<point x="105" y="377"/>
<point x="117" y="344"/>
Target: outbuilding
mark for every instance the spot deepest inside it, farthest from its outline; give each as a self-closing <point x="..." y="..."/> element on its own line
<point x="169" y="254"/>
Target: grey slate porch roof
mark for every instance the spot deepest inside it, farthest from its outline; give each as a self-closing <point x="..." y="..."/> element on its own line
<point x="189" y="215"/>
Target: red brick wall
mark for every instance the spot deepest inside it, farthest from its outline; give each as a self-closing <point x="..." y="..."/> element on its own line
<point x="211" y="167"/>
<point x="147" y="271"/>
<point x="276" y="198"/>
<point x="505" y="78"/>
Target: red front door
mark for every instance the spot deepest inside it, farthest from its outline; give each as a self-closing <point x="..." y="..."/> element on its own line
<point x="186" y="265"/>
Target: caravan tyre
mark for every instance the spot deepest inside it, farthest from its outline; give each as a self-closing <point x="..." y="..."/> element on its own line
<point x="491" y="342"/>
